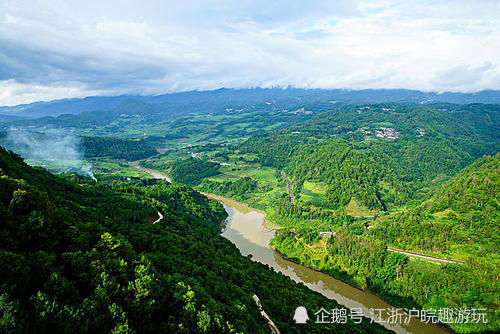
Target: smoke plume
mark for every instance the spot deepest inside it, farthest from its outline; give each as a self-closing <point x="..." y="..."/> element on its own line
<point x="60" y="149"/>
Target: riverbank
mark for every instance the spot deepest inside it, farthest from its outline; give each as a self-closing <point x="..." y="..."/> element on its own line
<point x="153" y="172"/>
<point x="283" y="256"/>
<point x="442" y="326"/>
<point x="246" y="227"/>
<point x="245" y="206"/>
<point x="247" y="231"/>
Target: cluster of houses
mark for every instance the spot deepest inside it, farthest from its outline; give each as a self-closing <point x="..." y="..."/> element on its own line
<point x="381" y="132"/>
<point x="386" y="133"/>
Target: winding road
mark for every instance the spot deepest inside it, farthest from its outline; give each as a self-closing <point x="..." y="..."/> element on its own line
<point x="416" y="255"/>
<point x="289" y="187"/>
<point x="272" y="326"/>
<point x="160" y="217"/>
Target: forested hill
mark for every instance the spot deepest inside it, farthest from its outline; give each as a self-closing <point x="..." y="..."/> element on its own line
<point x="81" y="258"/>
<point x="475" y="189"/>
<point x="461" y="217"/>
<point x="460" y="221"/>
<point x="475" y="126"/>
<point x="116" y="148"/>
<point x="30" y="144"/>
<point x="381" y="155"/>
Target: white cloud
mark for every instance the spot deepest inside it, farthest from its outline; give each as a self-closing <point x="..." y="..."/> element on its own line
<point x="462" y="75"/>
<point x="13" y="93"/>
<point x="54" y="49"/>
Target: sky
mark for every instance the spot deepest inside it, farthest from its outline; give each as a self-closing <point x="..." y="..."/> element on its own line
<point x="56" y="49"/>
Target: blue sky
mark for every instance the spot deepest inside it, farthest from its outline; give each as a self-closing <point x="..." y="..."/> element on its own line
<point x="56" y="49"/>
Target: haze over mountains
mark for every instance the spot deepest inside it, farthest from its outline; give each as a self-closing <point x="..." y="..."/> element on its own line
<point x="218" y="100"/>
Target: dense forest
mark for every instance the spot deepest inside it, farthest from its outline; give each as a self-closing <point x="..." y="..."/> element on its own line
<point x="474" y="126"/>
<point x="91" y="262"/>
<point x="462" y="216"/>
<point x="460" y="219"/>
<point x="419" y="182"/>
<point x="192" y="170"/>
<point x="109" y="147"/>
<point x="62" y="144"/>
<point x="422" y="178"/>
<point x="378" y="174"/>
<point x="236" y="189"/>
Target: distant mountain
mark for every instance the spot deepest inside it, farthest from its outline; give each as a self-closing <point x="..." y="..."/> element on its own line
<point x="451" y="121"/>
<point x="128" y="108"/>
<point x="65" y="106"/>
<point x="227" y="98"/>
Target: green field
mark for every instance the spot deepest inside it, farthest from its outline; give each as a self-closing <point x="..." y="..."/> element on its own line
<point x="105" y="169"/>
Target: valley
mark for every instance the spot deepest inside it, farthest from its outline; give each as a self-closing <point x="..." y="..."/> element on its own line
<point x="249" y="167"/>
<point x="247" y="228"/>
<point x="397" y="199"/>
<point x="247" y="176"/>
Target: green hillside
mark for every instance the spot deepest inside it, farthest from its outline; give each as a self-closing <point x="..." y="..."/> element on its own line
<point x="80" y="258"/>
<point x="382" y="156"/>
<point x="116" y="148"/>
<point x="395" y="176"/>
<point x="460" y="221"/>
<point x="462" y="217"/>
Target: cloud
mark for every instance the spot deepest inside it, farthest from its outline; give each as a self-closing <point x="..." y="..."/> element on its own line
<point x="463" y="75"/>
<point x="53" y="49"/>
<point x="13" y="93"/>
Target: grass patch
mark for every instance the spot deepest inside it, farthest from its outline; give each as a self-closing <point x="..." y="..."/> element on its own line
<point x="313" y="192"/>
<point x="354" y="209"/>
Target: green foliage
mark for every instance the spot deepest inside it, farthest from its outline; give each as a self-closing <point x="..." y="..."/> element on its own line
<point x="236" y="189"/>
<point x="380" y="173"/>
<point x="377" y="174"/>
<point x="461" y="217"/>
<point x="409" y="160"/>
<point x="116" y="148"/>
<point x="90" y="262"/>
<point x="192" y="170"/>
<point x="401" y="159"/>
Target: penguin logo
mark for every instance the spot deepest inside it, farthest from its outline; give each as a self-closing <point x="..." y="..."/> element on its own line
<point x="300" y="316"/>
